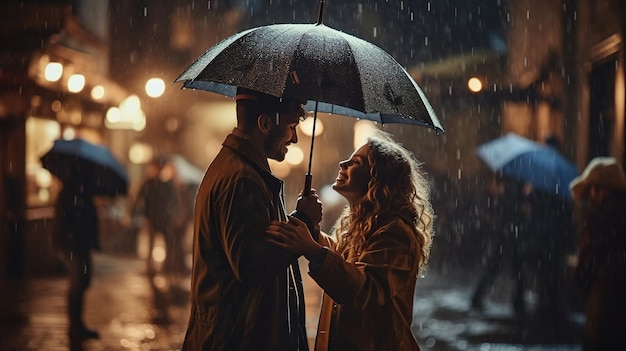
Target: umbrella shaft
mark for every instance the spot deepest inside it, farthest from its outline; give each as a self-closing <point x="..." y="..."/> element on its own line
<point x="312" y="138"/>
<point x="308" y="177"/>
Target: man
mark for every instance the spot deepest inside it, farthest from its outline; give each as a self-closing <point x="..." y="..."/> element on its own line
<point x="247" y="294"/>
<point x="76" y="236"/>
<point x="160" y="201"/>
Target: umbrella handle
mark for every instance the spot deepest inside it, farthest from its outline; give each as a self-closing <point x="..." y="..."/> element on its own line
<point x="308" y="178"/>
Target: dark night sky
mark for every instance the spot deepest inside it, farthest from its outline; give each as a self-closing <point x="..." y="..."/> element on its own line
<point x="412" y="31"/>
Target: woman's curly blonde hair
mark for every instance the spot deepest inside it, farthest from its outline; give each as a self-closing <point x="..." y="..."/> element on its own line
<point x="396" y="189"/>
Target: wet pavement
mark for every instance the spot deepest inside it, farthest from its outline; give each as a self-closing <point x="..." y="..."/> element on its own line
<point x="120" y="304"/>
<point x="133" y="311"/>
<point x="443" y="319"/>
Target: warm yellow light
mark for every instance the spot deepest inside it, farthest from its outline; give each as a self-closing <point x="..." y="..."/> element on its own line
<point x="474" y="84"/>
<point x="53" y="71"/>
<point x="69" y="133"/>
<point x="155" y="87"/>
<point x="113" y="115"/>
<point x="130" y="104"/>
<point x="76" y="83"/>
<point x="43" y="178"/>
<point x="140" y="153"/>
<point x="97" y="92"/>
<point x="159" y="253"/>
<point x="128" y="116"/>
<point x="139" y="121"/>
<point x="56" y="106"/>
<point x="362" y="130"/>
<point x="294" y="155"/>
<point x="306" y="126"/>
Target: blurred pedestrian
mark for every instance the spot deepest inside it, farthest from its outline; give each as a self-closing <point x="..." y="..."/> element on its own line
<point x="551" y="238"/>
<point x="508" y="211"/>
<point x="160" y="201"/>
<point x="76" y="236"/>
<point x="601" y="266"/>
<point x="384" y="238"/>
<point x="247" y="294"/>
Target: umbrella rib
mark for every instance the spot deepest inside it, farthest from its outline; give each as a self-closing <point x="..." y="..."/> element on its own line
<point x="291" y="54"/>
<point x="378" y="70"/>
<point x="383" y="74"/>
<point x="195" y="68"/>
<point x="277" y="35"/>
<point x="352" y="51"/>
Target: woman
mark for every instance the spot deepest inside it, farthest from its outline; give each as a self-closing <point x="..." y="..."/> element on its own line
<point x="383" y="241"/>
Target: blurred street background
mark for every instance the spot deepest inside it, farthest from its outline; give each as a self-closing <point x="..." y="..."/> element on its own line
<point x="551" y="71"/>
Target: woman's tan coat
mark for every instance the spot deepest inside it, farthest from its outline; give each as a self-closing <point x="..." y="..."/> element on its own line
<point x="368" y="298"/>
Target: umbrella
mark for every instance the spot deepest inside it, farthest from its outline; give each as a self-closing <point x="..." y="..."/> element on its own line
<point x="186" y="171"/>
<point x="528" y="161"/>
<point x="93" y="165"/>
<point x="333" y="71"/>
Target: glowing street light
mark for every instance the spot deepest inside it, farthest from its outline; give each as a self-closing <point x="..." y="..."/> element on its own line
<point x="76" y="83"/>
<point x="306" y="127"/>
<point x="97" y="92"/>
<point x="53" y="71"/>
<point x="474" y="85"/>
<point x="127" y="116"/>
<point x="295" y="156"/>
<point x="155" y="87"/>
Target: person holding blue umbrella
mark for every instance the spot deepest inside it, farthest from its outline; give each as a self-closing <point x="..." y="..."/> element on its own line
<point x="541" y="235"/>
<point x="76" y="236"/>
<point x="86" y="170"/>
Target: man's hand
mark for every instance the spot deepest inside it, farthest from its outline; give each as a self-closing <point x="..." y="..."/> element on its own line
<point x="311" y="206"/>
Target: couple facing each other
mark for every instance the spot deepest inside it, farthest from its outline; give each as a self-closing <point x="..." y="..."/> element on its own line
<point x="246" y="291"/>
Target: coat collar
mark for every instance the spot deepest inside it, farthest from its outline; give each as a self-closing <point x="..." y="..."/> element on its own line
<point x="249" y="150"/>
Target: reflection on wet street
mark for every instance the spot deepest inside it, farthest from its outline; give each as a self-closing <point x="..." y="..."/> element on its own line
<point x="443" y="319"/>
<point x="120" y="305"/>
<point x="133" y="311"/>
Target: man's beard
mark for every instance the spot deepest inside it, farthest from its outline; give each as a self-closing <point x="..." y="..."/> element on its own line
<point x="273" y="146"/>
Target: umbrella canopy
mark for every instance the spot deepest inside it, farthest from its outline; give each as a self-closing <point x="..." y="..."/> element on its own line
<point x="528" y="161"/>
<point x="341" y="73"/>
<point x="93" y="166"/>
<point x="186" y="171"/>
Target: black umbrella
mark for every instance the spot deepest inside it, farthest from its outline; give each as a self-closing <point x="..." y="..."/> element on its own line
<point x="334" y="71"/>
<point x="97" y="170"/>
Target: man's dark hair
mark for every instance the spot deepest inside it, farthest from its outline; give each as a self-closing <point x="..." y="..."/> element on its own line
<point x="251" y="103"/>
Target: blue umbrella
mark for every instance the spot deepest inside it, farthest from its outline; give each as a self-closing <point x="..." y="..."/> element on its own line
<point x="527" y="161"/>
<point x="92" y="166"/>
